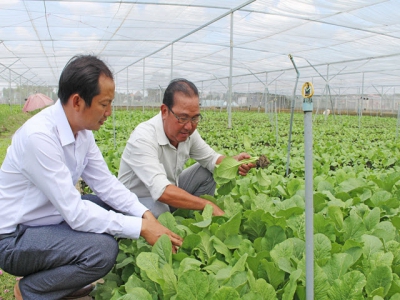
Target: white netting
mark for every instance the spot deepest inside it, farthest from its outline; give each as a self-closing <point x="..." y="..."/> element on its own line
<point x="353" y="46"/>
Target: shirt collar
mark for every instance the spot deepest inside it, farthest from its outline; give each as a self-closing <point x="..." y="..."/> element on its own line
<point x="162" y="138"/>
<point x="63" y="127"/>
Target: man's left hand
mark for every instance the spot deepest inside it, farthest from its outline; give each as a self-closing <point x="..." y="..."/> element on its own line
<point x="244" y="168"/>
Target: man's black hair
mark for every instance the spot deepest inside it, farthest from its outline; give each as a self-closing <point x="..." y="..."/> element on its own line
<point x="81" y="75"/>
<point x="179" y="85"/>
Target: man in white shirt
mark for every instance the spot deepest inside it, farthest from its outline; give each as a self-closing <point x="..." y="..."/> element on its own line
<point x="57" y="241"/>
<point x="154" y="157"/>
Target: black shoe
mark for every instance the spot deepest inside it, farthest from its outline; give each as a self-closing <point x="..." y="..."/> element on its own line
<point x="86" y="290"/>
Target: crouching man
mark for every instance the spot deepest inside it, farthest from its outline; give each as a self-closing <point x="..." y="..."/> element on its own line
<point x="59" y="242"/>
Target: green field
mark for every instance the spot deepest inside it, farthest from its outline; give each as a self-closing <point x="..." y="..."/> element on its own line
<point x="256" y="251"/>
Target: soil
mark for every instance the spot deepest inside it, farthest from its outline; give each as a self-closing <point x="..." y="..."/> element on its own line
<point x="262" y="162"/>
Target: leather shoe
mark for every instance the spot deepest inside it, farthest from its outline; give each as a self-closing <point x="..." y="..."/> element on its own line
<point x="86" y="290"/>
<point x="17" y="292"/>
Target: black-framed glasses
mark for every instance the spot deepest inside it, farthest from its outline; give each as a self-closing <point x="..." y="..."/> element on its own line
<point x="184" y="120"/>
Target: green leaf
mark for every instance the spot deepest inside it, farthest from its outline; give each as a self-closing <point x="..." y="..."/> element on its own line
<point x="169" y="286"/>
<point x="247" y="144"/>
<point x="237" y="280"/>
<point x="225" y="293"/>
<point x="274" y="236"/>
<point x="325" y="186"/>
<point x="229" y="167"/>
<point x="137" y="293"/>
<point x="352" y="185"/>
<point x="168" y="220"/>
<point x="337" y="266"/>
<point x="191" y="241"/>
<point x="215" y="266"/>
<point x="262" y="178"/>
<point x="220" y="247"/>
<point x="385" y="231"/>
<point x="350" y="287"/>
<point x="322" y="249"/>
<point x="371" y="245"/>
<point x="231" y="207"/>
<point x="271" y="273"/>
<point x="149" y="262"/>
<point x="281" y="255"/>
<point x="240" y="264"/>
<point x="163" y="248"/>
<point x="125" y="262"/>
<point x="205" y="245"/>
<point x="371" y="218"/>
<point x="261" y="291"/>
<point x="253" y="225"/>
<point x="324" y="225"/>
<point x="294" y="185"/>
<point x="353" y="248"/>
<point x="336" y="214"/>
<point x="290" y="288"/>
<point x="353" y="227"/>
<point x="133" y="282"/>
<point x="380" y="198"/>
<point x="394" y="291"/>
<point x="380" y="277"/>
<point x="226" y="187"/>
<point x="231" y="227"/>
<point x="192" y="285"/>
<point x="203" y="224"/>
<point x="321" y="283"/>
<point x="187" y="264"/>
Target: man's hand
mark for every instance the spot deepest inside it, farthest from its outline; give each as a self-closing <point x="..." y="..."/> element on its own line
<point x="216" y="210"/>
<point x="244" y="168"/>
<point x="152" y="230"/>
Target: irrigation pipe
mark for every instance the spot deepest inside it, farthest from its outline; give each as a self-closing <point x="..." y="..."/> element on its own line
<point x="291" y="116"/>
<point x="398" y="122"/>
<point x="307" y="92"/>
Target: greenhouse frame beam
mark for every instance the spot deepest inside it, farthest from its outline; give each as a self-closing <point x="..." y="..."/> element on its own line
<point x="327" y="23"/>
<point x="320" y="65"/>
<point x="191" y="32"/>
<point x="140" y="3"/>
<point x="37" y="34"/>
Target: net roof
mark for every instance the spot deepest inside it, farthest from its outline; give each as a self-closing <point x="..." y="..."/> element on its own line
<point x="351" y="45"/>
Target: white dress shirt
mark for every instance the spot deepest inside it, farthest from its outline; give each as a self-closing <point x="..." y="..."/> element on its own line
<point x="150" y="163"/>
<point x="39" y="173"/>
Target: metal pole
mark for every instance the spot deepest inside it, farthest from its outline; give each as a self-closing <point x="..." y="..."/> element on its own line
<point x="308" y="155"/>
<point x="398" y="122"/>
<point x="291" y="116"/>
<point x="9" y="92"/>
<point x="172" y="61"/>
<point x="113" y="114"/>
<point x="127" y="88"/>
<point x="266" y="92"/>
<point x="276" y="122"/>
<point x="230" y="75"/>
<point x="144" y="68"/>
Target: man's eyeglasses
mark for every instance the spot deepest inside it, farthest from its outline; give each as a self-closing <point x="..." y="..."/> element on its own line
<point x="184" y="120"/>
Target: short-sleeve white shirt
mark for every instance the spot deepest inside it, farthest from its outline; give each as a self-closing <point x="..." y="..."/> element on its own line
<point x="150" y="162"/>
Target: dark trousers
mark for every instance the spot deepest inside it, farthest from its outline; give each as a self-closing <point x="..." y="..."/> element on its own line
<point x="195" y="180"/>
<point x="55" y="260"/>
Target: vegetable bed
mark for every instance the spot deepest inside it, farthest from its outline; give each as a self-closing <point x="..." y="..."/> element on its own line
<point x="257" y="249"/>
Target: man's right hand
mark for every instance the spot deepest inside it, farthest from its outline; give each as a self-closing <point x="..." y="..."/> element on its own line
<point x="152" y="230"/>
<point x="216" y="210"/>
